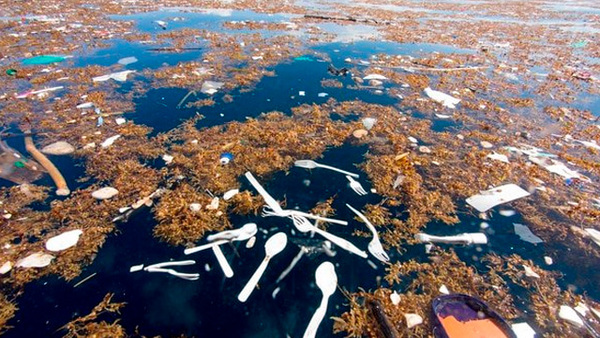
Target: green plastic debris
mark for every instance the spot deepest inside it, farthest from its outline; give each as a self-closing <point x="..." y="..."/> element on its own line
<point x="43" y="60"/>
<point x="304" y="58"/>
<point x="11" y="72"/>
<point x="580" y="44"/>
<point x="19" y="164"/>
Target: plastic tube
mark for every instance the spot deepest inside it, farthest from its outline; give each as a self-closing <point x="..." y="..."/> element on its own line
<point x="61" y="185"/>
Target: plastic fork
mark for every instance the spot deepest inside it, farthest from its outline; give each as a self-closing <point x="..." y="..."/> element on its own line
<point x="309" y="164"/>
<point x="375" y="247"/>
<point x="304" y="225"/>
<point x="356" y="186"/>
<point x="159" y="268"/>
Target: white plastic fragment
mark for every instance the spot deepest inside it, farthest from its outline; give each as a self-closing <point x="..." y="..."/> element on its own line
<point x="229" y="194"/>
<point x="488" y="199"/>
<point x="582" y="309"/>
<point x="444" y="290"/>
<point x="6" y="267"/>
<point x="412" y="139"/>
<point x="302" y="93"/>
<point x="486" y="144"/>
<point x="119" y="121"/>
<point x="105" y="193"/>
<point x="548" y="260"/>
<point x="195" y="207"/>
<point x="443" y="116"/>
<point x="375" y="77"/>
<point x="127" y="61"/>
<point x="443" y="98"/>
<point x="211" y="87"/>
<point x="507" y="213"/>
<point x="594" y="235"/>
<point x="214" y="204"/>
<point x="412" y="319"/>
<point x="250" y="243"/>
<point x="529" y="272"/>
<point x="85" y="105"/>
<point x="498" y="157"/>
<point x="526" y="235"/>
<point x="63" y="241"/>
<point x="167" y="158"/>
<point x="567" y="313"/>
<point x="395" y="298"/>
<point x="424" y="149"/>
<point x="556" y="167"/>
<point x="136" y="268"/>
<point x="118" y="76"/>
<point x="58" y="148"/>
<point x="35" y="260"/>
<point x="322" y="94"/>
<point x="369" y="122"/>
<point x="109" y="141"/>
<point x="466" y="238"/>
<point x="523" y="330"/>
<point x="124" y="209"/>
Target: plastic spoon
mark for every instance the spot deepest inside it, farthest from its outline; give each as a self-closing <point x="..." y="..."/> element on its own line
<point x="245" y="233"/>
<point x="309" y="164"/>
<point x="327" y="282"/>
<point x="275" y="244"/>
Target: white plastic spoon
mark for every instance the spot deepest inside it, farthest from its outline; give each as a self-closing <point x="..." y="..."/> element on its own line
<point x="327" y="282"/>
<point x="274" y="245"/>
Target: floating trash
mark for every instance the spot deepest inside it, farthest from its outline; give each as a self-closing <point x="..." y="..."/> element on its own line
<point x="118" y="76"/>
<point x="127" y="61"/>
<point x="109" y="141"/>
<point x="44" y="60"/>
<point x="526" y="235"/>
<point x="63" y="241"/>
<point x="58" y="148"/>
<point x="211" y="87"/>
<point x="226" y="158"/>
<point x="466" y="238"/>
<point x="5" y="268"/>
<point x="412" y="320"/>
<point x="496" y="196"/>
<point x="326" y="280"/>
<point x="229" y="194"/>
<point x="35" y="260"/>
<point x="360" y="133"/>
<point x="105" y="193"/>
<point x="443" y="98"/>
<point x="274" y="245"/>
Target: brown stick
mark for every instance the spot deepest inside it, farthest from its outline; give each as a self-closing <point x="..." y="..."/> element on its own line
<point x="61" y="185"/>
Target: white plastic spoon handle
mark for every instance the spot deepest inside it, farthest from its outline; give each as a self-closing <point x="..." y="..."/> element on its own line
<point x="247" y="290"/>
<point x="338" y="170"/>
<point x="222" y="261"/>
<point x="315" y="321"/>
<point x="342" y="243"/>
<point x="203" y="247"/>
<point x="268" y="198"/>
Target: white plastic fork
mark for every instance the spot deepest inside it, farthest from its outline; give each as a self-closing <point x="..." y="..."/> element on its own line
<point x="309" y="164"/>
<point x="267" y="211"/>
<point x="304" y="225"/>
<point x="356" y="186"/>
<point x="375" y="247"/>
<point x="159" y="268"/>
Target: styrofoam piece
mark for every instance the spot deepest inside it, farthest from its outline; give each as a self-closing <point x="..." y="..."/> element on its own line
<point x="570" y="315"/>
<point x="498" y="157"/>
<point x="63" y="241"/>
<point x="35" y="260"/>
<point x="488" y="199"/>
<point x="443" y="98"/>
<point x="523" y="330"/>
